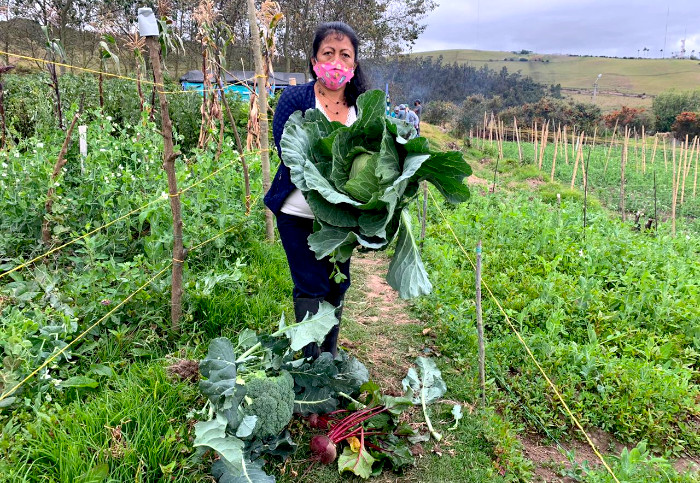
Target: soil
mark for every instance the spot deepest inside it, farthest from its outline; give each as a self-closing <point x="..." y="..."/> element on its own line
<point x="380" y="313"/>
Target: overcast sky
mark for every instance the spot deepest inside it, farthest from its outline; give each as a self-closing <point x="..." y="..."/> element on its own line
<point x="595" y="27"/>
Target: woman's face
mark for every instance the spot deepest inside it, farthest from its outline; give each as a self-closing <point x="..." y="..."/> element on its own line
<point x="336" y="48"/>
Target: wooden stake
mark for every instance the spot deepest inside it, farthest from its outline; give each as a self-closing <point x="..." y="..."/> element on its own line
<point x="543" y="144"/>
<point x="169" y="157"/>
<point x="674" y="196"/>
<point x="517" y="138"/>
<point x="653" y="151"/>
<point x="263" y="109"/>
<point x="665" y="156"/>
<point x="695" y="178"/>
<point x="689" y="161"/>
<point x="612" y="142"/>
<point x="480" y="327"/>
<point x="566" y="147"/>
<point x="644" y="151"/>
<point x="622" y="172"/>
<point x="534" y="133"/>
<point x="579" y="154"/>
<point x="554" y="158"/>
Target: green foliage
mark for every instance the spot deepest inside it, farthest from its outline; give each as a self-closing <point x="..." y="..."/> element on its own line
<point x="584" y="116"/>
<point x="367" y="210"/>
<point x="669" y="104"/>
<point x="609" y="318"/>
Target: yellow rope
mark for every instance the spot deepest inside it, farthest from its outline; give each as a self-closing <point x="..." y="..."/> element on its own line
<point x="106" y="74"/>
<point x="84" y="69"/>
<point x="136" y="210"/>
<point x="81" y="335"/>
<point x="527" y="348"/>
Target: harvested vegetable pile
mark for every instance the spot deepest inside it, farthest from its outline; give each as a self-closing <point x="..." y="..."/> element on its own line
<point x="358" y="180"/>
<point x="254" y="388"/>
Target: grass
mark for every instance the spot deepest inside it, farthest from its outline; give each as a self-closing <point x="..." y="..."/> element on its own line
<point x="136" y="429"/>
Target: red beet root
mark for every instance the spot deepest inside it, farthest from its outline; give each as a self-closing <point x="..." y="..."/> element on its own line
<point x="323" y="449"/>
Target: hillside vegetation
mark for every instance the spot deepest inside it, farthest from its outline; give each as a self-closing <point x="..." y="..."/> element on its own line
<point x="624" y="82"/>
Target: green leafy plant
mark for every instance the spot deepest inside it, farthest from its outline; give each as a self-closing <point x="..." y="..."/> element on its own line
<point x="358" y="179"/>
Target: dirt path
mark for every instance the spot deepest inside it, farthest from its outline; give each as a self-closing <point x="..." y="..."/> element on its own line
<point x="381" y="333"/>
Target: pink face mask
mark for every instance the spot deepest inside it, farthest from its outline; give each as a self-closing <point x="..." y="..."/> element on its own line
<point x="333" y="75"/>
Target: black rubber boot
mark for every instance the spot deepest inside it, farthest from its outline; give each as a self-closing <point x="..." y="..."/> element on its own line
<point x="302" y="307"/>
<point x="330" y="343"/>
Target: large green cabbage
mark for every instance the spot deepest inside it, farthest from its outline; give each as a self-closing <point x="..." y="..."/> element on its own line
<point x="358" y="179"/>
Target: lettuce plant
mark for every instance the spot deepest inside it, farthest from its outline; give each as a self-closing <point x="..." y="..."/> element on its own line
<point x="358" y="180"/>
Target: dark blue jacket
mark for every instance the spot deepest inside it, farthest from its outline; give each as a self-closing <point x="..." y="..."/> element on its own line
<point x="293" y="98"/>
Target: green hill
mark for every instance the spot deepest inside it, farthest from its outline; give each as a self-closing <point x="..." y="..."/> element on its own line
<point x="624" y="81"/>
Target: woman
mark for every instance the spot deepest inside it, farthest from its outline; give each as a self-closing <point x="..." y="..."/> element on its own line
<point x="338" y="81"/>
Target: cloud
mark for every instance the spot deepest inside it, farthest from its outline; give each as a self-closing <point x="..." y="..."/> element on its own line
<point x="595" y="27"/>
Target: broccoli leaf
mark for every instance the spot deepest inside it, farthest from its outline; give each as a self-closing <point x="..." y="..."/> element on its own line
<point x="219" y="371"/>
<point x="313" y="328"/>
<point x="247" y="426"/>
<point x="249" y="472"/>
<point x="315" y="400"/>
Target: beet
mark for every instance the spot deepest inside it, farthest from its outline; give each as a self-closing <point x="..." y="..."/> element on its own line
<point x="323" y="449"/>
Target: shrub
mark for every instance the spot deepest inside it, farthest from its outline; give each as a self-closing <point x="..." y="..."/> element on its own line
<point x="630" y="117"/>
<point x="686" y="124"/>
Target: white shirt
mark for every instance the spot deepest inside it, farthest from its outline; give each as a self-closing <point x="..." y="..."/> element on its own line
<point x="296" y="204"/>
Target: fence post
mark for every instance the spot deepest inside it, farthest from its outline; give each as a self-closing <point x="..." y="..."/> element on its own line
<point x="480" y="327"/>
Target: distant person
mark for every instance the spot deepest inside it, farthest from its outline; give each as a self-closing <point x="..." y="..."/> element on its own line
<point x="402" y="112"/>
<point x="412" y="119"/>
<point x="418" y="108"/>
<point x="395" y="112"/>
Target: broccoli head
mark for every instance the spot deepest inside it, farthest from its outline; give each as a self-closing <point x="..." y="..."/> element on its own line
<point x="271" y="399"/>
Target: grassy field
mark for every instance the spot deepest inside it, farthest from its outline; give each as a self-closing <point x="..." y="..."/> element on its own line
<point x="630" y="76"/>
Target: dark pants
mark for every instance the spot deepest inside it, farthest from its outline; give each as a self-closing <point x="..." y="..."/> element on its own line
<point x="311" y="277"/>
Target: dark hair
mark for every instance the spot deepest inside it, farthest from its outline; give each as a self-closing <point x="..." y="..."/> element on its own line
<point x="358" y="83"/>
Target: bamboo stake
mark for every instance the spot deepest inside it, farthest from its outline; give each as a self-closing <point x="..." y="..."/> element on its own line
<point x="622" y="172"/>
<point x="695" y="180"/>
<point x="644" y="151"/>
<point x="566" y="147"/>
<point x="169" y="157"/>
<point x="491" y="130"/>
<point x="501" y="133"/>
<point x="579" y="154"/>
<point x="534" y="133"/>
<point x="665" y="156"/>
<point x="653" y="151"/>
<point x="557" y="134"/>
<point x="543" y="144"/>
<point x="517" y="138"/>
<point x="686" y="171"/>
<point x="636" y="153"/>
<point x="574" y="137"/>
<point x="674" y="195"/>
<point x="612" y="142"/>
<point x="480" y="326"/>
